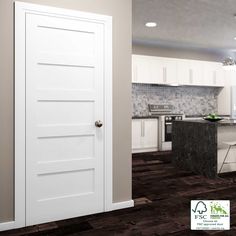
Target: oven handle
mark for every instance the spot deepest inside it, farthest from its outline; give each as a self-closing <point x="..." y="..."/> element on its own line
<point x="168" y="123"/>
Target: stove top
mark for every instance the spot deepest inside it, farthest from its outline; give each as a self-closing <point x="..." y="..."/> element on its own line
<point x="162" y="110"/>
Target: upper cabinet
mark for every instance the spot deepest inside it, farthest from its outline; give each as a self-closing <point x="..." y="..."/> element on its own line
<point x="213" y="74"/>
<point x="169" y="67"/>
<point x="189" y="72"/>
<point x="140" y="69"/>
<point x="153" y="70"/>
<point x="170" y="71"/>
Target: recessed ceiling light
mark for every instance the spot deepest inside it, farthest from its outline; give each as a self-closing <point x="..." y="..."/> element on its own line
<point x="151" y="24"/>
<point x="234" y="38"/>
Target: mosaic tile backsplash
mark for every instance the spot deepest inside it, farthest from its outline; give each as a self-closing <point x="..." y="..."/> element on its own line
<point x="187" y="100"/>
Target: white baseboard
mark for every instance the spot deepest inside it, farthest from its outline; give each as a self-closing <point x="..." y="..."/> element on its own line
<point x="113" y="207"/>
<point x="7" y="225"/>
<point x="122" y="205"/>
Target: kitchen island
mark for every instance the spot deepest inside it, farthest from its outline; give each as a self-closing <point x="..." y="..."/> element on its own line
<point x="199" y="146"/>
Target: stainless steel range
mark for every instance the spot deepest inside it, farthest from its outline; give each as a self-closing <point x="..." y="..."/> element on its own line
<point x="166" y="118"/>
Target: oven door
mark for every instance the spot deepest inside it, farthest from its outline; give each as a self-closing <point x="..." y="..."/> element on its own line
<point x="168" y="131"/>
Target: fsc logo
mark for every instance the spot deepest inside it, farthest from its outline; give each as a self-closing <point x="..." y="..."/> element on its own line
<point x="210" y="215"/>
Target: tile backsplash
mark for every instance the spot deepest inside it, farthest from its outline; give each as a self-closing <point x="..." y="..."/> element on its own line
<point x="187" y="100"/>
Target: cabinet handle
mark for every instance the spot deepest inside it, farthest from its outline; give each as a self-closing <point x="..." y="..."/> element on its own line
<point x="135" y="73"/>
<point x="190" y="76"/>
<point x="143" y="128"/>
<point x="164" y="74"/>
<point x="214" y="77"/>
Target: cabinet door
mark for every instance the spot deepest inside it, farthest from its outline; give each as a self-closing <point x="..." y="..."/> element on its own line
<point x="140" y="69"/>
<point x="219" y="75"/>
<point x="190" y="72"/>
<point x="213" y="74"/>
<point x="209" y="74"/>
<point x="150" y="134"/>
<point x="183" y="72"/>
<point x="145" y="69"/>
<point x="156" y="70"/>
<point x="224" y="97"/>
<point x="196" y="73"/>
<point x="137" y="134"/>
<point x="169" y="68"/>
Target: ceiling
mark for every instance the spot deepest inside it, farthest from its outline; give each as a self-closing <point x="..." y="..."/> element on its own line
<point x="186" y="23"/>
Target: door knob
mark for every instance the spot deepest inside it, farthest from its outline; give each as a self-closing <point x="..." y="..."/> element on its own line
<point x="98" y="124"/>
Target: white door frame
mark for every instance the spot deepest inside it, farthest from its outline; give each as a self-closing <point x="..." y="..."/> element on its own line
<point x="21" y="9"/>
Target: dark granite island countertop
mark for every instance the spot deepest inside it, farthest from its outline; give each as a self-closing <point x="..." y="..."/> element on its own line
<point x="199" y="145"/>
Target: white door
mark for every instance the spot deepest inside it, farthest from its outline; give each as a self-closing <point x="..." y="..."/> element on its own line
<point x="64" y="98"/>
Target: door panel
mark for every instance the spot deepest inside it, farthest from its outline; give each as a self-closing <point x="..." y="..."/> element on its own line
<point x="136" y="133"/>
<point x="169" y="71"/>
<point x="66" y="77"/>
<point x="150" y="133"/>
<point x="183" y="73"/>
<point x="64" y="97"/>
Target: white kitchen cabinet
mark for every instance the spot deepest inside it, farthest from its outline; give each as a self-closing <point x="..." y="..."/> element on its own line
<point x="224" y="97"/>
<point x="183" y="72"/>
<point x="153" y="70"/>
<point x="137" y="134"/>
<point x="144" y="135"/>
<point x="169" y="71"/>
<point x="213" y="74"/>
<point x="196" y="73"/>
<point x="156" y="70"/>
<point x="190" y="72"/>
<point x="169" y="68"/>
<point x="163" y="70"/>
<point x="220" y="76"/>
<point x="141" y="69"/>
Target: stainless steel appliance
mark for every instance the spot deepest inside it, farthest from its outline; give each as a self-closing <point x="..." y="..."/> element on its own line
<point x="166" y="118"/>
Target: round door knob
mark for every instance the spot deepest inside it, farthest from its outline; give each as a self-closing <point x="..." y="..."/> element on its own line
<point x="98" y="124"/>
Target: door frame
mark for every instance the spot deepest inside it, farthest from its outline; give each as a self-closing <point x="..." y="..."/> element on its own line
<point x="21" y="9"/>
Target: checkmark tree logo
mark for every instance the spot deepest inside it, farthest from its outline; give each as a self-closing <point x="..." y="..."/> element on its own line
<point x="200" y="208"/>
<point x="216" y="208"/>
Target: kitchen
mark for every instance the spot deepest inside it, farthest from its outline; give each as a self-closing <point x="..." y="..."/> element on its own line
<point x="178" y="78"/>
<point x="187" y="94"/>
<point x="173" y="81"/>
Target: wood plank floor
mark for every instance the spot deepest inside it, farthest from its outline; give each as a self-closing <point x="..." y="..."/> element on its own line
<point x="162" y="197"/>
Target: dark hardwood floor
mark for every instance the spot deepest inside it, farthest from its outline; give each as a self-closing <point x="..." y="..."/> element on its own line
<point x="162" y="197"/>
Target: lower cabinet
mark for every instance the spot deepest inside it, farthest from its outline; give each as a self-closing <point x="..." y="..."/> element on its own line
<point x="144" y="135"/>
<point x="225" y="98"/>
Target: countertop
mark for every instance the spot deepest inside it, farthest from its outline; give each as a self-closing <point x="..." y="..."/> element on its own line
<point x="219" y="123"/>
<point x="199" y="116"/>
<point x="190" y="117"/>
<point x="145" y="117"/>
